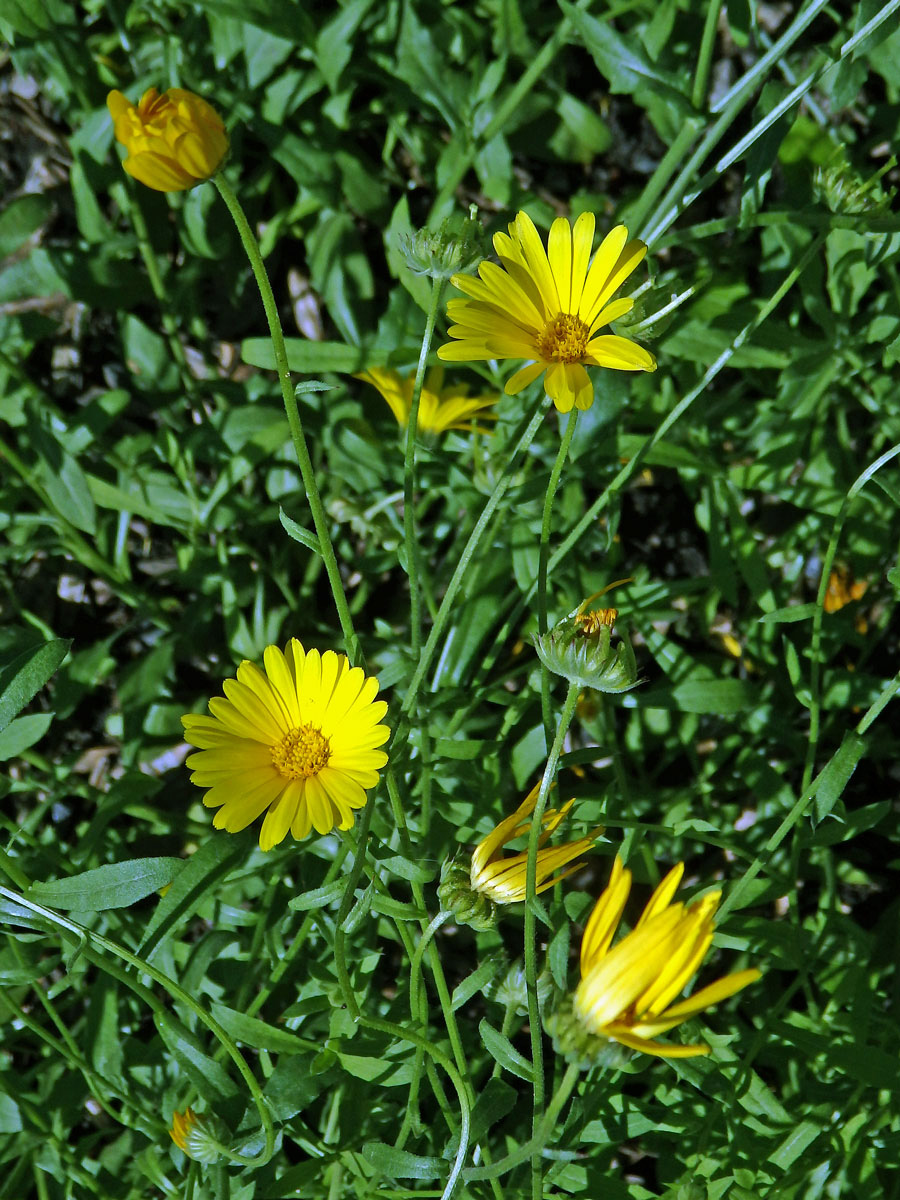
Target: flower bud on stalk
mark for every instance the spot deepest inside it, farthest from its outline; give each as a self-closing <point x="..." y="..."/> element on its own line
<point x="174" y="140"/>
<point x="579" y="649"/>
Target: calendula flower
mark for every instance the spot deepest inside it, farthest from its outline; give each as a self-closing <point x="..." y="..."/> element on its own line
<point x="174" y="140"/>
<point x="440" y="408"/>
<point x="299" y="739"/>
<point x="546" y="306"/>
<point x="626" y="992"/>
<point x="494" y="878"/>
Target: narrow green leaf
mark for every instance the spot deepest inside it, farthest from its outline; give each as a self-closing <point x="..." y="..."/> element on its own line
<point x="114" y="885"/>
<point x="207" y="1076"/>
<point x="836" y="775"/>
<point x="502" y="1051"/>
<point x="298" y="533"/>
<point x="782" y="616"/>
<point x="306" y="356"/>
<point x="23" y="678"/>
<point x="253" y="1032"/>
<point x="319" y="897"/>
<point x="398" y="1164"/>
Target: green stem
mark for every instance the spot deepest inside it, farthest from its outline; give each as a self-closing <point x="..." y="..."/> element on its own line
<point x="552" y="485"/>
<point x="815" y="671"/>
<point x="291" y="408"/>
<point x="704" y="59"/>
<point x="531" y="971"/>
<point x="89" y="939"/>
<point x="409" y="473"/>
<point x="462" y="567"/>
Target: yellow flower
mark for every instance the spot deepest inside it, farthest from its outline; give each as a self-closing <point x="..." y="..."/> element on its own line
<point x="625" y="993"/>
<point x="182" y="1124"/>
<point x="299" y="739"/>
<point x="501" y="877"/>
<point x="842" y="589"/>
<point x="547" y="305"/>
<point x="174" y="140"/>
<point x="195" y="1136"/>
<point x="440" y="408"/>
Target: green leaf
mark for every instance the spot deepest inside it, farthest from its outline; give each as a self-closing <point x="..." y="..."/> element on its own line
<point x="298" y="533"/>
<point x="319" y="897"/>
<point x="495" y="1100"/>
<point x="782" y="616"/>
<point x="207" y="1076"/>
<point x="20" y="219"/>
<point x="114" y="885"/>
<point x="253" y="1032"/>
<point x="306" y="356"/>
<point x="622" y="60"/>
<point x="398" y="1164"/>
<point x="836" y="774"/>
<point x="22" y="733"/>
<point x="723" y="696"/>
<point x="23" y="678"/>
<point x="502" y="1051"/>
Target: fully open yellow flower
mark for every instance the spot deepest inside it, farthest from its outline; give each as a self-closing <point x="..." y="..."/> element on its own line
<point x="299" y="739"/>
<point x="547" y="306"/>
<point x="502" y="877"/>
<point x="174" y="140"/>
<point x="440" y="408"/>
<point x="625" y="993"/>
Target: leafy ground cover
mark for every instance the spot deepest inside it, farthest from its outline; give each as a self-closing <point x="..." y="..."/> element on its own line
<point x="336" y="1028"/>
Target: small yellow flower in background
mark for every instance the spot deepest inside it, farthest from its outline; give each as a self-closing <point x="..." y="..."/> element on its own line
<point x="494" y="878"/>
<point x="843" y="589"/>
<point x="625" y="993"/>
<point x="440" y="408"/>
<point x="547" y="306"/>
<point x="299" y="739"/>
<point x="174" y="140"/>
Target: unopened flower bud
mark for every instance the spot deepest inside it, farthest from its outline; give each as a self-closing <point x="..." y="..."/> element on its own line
<point x="440" y="253"/>
<point x="580" y="649"/>
<point x="196" y="1136"/>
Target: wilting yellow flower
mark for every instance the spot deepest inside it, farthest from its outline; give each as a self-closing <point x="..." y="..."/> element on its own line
<point x="299" y="739"/>
<point x="174" y="140"/>
<point x="440" y="408"/>
<point x="502" y="877"/>
<point x="625" y="993"/>
<point x="547" y="305"/>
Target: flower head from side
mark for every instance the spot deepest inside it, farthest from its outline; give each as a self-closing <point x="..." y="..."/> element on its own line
<point x="174" y="139"/>
<point x="298" y="741"/>
<point x="626" y="991"/>
<point x="494" y="878"/>
<point x="440" y="408"/>
<point x="547" y="306"/>
<point x="193" y="1136"/>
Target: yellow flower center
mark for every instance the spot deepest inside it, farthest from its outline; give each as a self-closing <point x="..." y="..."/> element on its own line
<point x="592" y="622"/>
<point x="564" y="339"/>
<point x="301" y="753"/>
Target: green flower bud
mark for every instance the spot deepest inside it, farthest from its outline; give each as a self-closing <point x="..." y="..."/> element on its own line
<point x="443" y="252"/>
<point x="512" y="989"/>
<point x="841" y="189"/>
<point x="580" y="649"/>
<point x="198" y="1137"/>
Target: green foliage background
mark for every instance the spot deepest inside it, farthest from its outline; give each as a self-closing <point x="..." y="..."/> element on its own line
<point x="145" y="463"/>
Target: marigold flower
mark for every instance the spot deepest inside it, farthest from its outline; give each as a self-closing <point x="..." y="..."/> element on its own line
<point x="174" y="140"/>
<point x="625" y="993"/>
<point x="299" y="739"/>
<point x="440" y="408"/>
<point x="547" y="305"/>
<point x="494" y="878"/>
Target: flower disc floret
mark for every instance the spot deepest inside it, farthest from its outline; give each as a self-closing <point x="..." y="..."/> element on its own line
<point x="547" y="306"/>
<point x="298" y="741"/>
